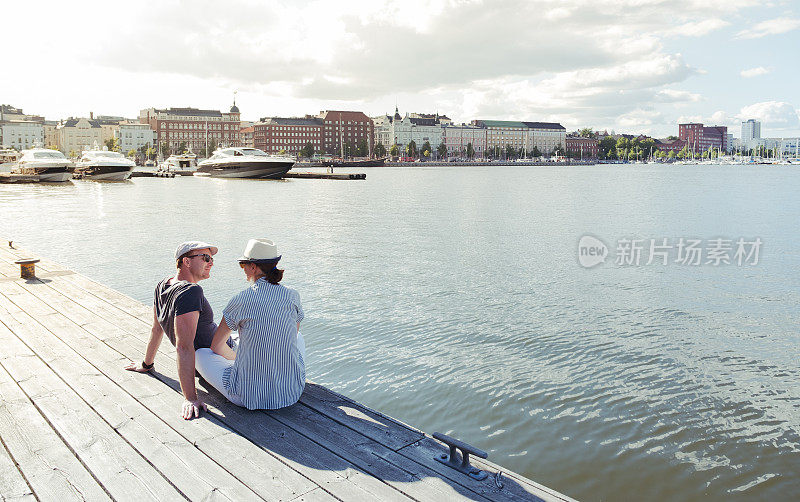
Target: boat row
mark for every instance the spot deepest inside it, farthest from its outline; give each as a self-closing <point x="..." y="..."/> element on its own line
<point x="235" y="162"/>
<point x="53" y="166"/>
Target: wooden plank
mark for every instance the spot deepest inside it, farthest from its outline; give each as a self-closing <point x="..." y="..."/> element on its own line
<point x="336" y="475"/>
<point x="253" y="464"/>
<point x="191" y="471"/>
<point x="12" y="485"/>
<point x="420" y="448"/>
<point x="377" y="426"/>
<point x="120" y="469"/>
<point x="52" y="470"/>
<point x="360" y="451"/>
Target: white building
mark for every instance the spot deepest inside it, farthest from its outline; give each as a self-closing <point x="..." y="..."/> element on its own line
<point x="21" y="134"/>
<point x="458" y="137"/>
<point x="75" y="135"/>
<point x="133" y="136"/>
<point x="751" y="131"/>
<point x="419" y="128"/>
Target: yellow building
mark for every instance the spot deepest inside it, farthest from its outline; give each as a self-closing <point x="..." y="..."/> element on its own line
<point x="76" y="135"/>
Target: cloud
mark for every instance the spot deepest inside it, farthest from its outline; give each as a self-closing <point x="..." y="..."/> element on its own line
<point x="580" y="61"/>
<point x="754" y="72"/>
<point x="773" y="114"/>
<point x="699" y="28"/>
<point x="676" y="96"/>
<point x="771" y="27"/>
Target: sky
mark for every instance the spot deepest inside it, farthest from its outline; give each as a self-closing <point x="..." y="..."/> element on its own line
<point x="633" y="66"/>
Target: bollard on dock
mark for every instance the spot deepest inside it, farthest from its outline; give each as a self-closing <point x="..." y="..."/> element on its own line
<point x="27" y="267"/>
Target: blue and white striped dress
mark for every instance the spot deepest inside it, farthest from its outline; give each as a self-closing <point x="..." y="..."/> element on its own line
<point x="269" y="371"/>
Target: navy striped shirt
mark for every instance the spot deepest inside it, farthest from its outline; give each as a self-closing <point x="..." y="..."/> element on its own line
<point x="269" y="371"/>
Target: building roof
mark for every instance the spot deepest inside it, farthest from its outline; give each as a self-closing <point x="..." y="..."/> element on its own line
<point x="71" y="122"/>
<point x="190" y="112"/>
<point x="499" y="123"/>
<point x="423" y="121"/>
<point x="291" y="121"/>
<point x="544" y="125"/>
<point x="345" y="114"/>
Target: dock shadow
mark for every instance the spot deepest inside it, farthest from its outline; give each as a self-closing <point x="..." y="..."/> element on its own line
<point x="332" y="442"/>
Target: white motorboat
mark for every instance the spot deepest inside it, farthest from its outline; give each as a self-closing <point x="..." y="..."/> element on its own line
<point x="8" y="159"/>
<point x="180" y="162"/>
<point x="49" y="165"/>
<point x="104" y="165"/>
<point x="243" y="162"/>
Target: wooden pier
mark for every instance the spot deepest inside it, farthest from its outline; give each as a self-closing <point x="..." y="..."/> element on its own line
<point x="18" y="178"/>
<point x="74" y="425"/>
<point x="327" y="176"/>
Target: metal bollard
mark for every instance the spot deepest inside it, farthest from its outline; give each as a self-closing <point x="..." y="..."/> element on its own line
<point x="27" y="267"/>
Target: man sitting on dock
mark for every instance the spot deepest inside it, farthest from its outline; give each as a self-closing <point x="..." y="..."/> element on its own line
<point x="180" y="310"/>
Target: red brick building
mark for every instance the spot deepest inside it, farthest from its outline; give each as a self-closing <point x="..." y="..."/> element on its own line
<point x="193" y="127"/>
<point x="671" y="146"/>
<point x="342" y="128"/>
<point x="580" y="147"/>
<point x="276" y="134"/>
<point x="699" y="138"/>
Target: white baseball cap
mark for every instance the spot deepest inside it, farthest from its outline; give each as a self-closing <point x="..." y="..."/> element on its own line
<point x="185" y="247"/>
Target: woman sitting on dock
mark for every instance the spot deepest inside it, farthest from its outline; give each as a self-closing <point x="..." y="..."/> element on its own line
<point x="268" y="369"/>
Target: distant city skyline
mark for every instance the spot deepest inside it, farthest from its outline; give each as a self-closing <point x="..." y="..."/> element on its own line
<point x="630" y="66"/>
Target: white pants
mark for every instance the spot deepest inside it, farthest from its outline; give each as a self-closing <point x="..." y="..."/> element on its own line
<point x="212" y="367"/>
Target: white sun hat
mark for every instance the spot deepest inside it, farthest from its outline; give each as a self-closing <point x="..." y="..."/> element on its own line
<point x="185" y="247"/>
<point x="260" y="251"/>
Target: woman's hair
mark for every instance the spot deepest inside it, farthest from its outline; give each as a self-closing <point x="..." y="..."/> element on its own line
<point x="272" y="273"/>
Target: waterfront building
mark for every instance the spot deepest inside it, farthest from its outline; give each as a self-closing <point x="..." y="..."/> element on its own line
<point x="751" y="131"/>
<point x="75" y="135"/>
<point x="546" y="136"/>
<point x="502" y="133"/>
<point x="346" y="130"/>
<point x="247" y="136"/>
<point x="419" y="128"/>
<point x="523" y="136"/>
<point x="8" y="112"/>
<point x="109" y="126"/>
<point x="700" y="138"/>
<point x="51" y="134"/>
<point x="289" y="135"/>
<point x="670" y="145"/>
<point x="458" y="137"/>
<point x="21" y="134"/>
<point x="192" y="127"/>
<point x="581" y="148"/>
<point x="134" y="136"/>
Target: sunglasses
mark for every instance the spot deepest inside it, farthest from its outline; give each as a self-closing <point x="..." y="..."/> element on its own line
<point x="206" y="257"/>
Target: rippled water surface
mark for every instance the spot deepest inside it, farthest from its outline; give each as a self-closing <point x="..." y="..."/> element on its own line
<point x="452" y="299"/>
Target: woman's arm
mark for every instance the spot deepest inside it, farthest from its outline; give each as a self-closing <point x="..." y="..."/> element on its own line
<point x="219" y="343"/>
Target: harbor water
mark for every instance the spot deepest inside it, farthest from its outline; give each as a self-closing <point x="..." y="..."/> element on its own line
<point x="455" y="299"/>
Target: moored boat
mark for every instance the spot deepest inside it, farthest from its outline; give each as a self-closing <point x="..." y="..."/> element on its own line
<point x="104" y="165"/>
<point x="48" y="165"/>
<point x="182" y="162"/>
<point x="244" y="162"/>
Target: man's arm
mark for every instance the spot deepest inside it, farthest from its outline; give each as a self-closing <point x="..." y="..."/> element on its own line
<point x="156" y="335"/>
<point x="219" y="345"/>
<point x="185" y="329"/>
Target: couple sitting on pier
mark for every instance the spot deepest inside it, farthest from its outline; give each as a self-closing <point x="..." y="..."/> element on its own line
<point x="267" y="370"/>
